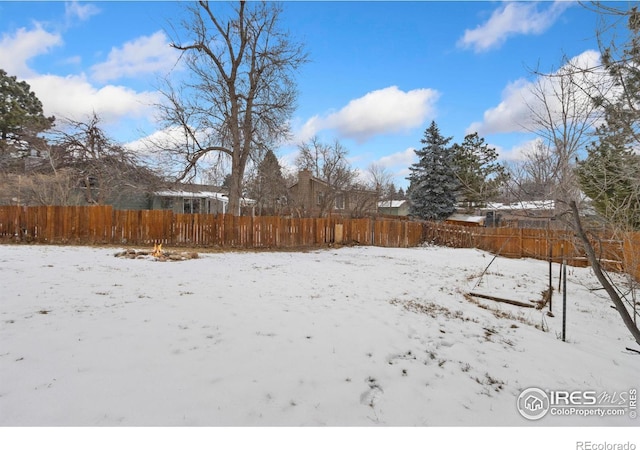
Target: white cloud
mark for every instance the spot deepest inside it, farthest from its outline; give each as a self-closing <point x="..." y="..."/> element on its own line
<point x="82" y="11"/>
<point x="517" y="152"/>
<point x="19" y="48"/>
<point x="404" y="159"/>
<point x="75" y="60"/>
<point x="511" y="114"/>
<point x="146" y="54"/>
<point x="398" y="164"/>
<point x="166" y="137"/>
<point x="512" y="19"/>
<point x="514" y="112"/>
<point x="75" y="98"/>
<point x="387" y="110"/>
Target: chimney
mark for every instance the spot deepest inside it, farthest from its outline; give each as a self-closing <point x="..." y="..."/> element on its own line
<point x="304" y="188"/>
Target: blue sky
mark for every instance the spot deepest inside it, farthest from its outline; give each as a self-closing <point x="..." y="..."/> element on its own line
<point x="380" y="72"/>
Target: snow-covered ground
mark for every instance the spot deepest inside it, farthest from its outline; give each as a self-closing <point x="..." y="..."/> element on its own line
<point x="359" y="336"/>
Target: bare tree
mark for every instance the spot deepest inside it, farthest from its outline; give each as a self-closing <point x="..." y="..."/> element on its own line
<point x="605" y="281"/>
<point x="363" y="200"/>
<point x="585" y="95"/>
<point x="242" y="92"/>
<point x="611" y="172"/>
<point x="56" y="188"/>
<point x="534" y="177"/>
<point x="327" y="162"/>
<point x="379" y="180"/>
<point x="563" y="115"/>
<point x="104" y="170"/>
<point x="79" y="164"/>
<point x="541" y="167"/>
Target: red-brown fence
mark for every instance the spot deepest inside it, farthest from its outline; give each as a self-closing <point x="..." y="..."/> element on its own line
<point x="620" y="253"/>
<point x="105" y="225"/>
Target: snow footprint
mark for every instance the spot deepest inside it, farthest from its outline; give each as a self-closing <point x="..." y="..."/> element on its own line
<point x="371" y="396"/>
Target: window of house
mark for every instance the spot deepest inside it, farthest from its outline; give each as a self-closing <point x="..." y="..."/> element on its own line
<point x="319" y="198"/>
<point x="192" y="205"/>
<point x="166" y="203"/>
<point x="340" y="201"/>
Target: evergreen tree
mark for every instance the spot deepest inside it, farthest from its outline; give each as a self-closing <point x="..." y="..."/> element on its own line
<point x="433" y="182"/>
<point x="622" y="63"/>
<point x="610" y="176"/>
<point x="477" y="171"/>
<point x="269" y="188"/>
<point x="392" y="193"/>
<point x="21" y="117"/>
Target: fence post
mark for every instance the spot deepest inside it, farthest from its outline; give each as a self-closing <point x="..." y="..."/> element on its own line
<point x="372" y="226"/>
<point x="521" y="242"/>
<point x="252" y="239"/>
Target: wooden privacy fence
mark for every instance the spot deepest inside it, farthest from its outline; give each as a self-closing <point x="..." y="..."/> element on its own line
<point x="105" y="225"/>
<point x="619" y="253"/>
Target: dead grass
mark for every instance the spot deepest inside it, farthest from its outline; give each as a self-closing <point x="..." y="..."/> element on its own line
<point x="502" y="314"/>
<point x="431" y="309"/>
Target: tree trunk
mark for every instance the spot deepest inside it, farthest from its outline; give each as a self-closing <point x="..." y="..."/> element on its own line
<point x="88" y="195"/>
<point x="597" y="269"/>
<point x="235" y="191"/>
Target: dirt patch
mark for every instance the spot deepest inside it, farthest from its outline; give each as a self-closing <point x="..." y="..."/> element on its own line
<point x="162" y="256"/>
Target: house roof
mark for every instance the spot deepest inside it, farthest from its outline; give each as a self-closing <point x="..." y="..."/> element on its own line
<point x="224" y="198"/>
<point x="191" y="194"/>
<point x="311" y="178"/>
<point x="391" y="203"/>
<point x="530" y="205"/>
<point x="466" y="218"/>
<point x="193" y="187"/>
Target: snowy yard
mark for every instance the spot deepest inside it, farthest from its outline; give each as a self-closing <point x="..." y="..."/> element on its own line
<point x="352" y="336"/>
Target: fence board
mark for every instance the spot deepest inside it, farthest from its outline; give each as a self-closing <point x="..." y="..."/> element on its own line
<point x="619" y="253"/>
<point x="104" y="225"/>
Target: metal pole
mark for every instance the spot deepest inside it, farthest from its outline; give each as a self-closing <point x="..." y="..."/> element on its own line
<point x="564" y="300"/>
<point x="633" y="299"/>
<point x="550" y="275"/>
<point x="560" y="275"/>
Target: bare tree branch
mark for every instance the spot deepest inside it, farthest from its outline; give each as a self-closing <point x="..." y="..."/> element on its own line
<point x="241" y="93"/>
